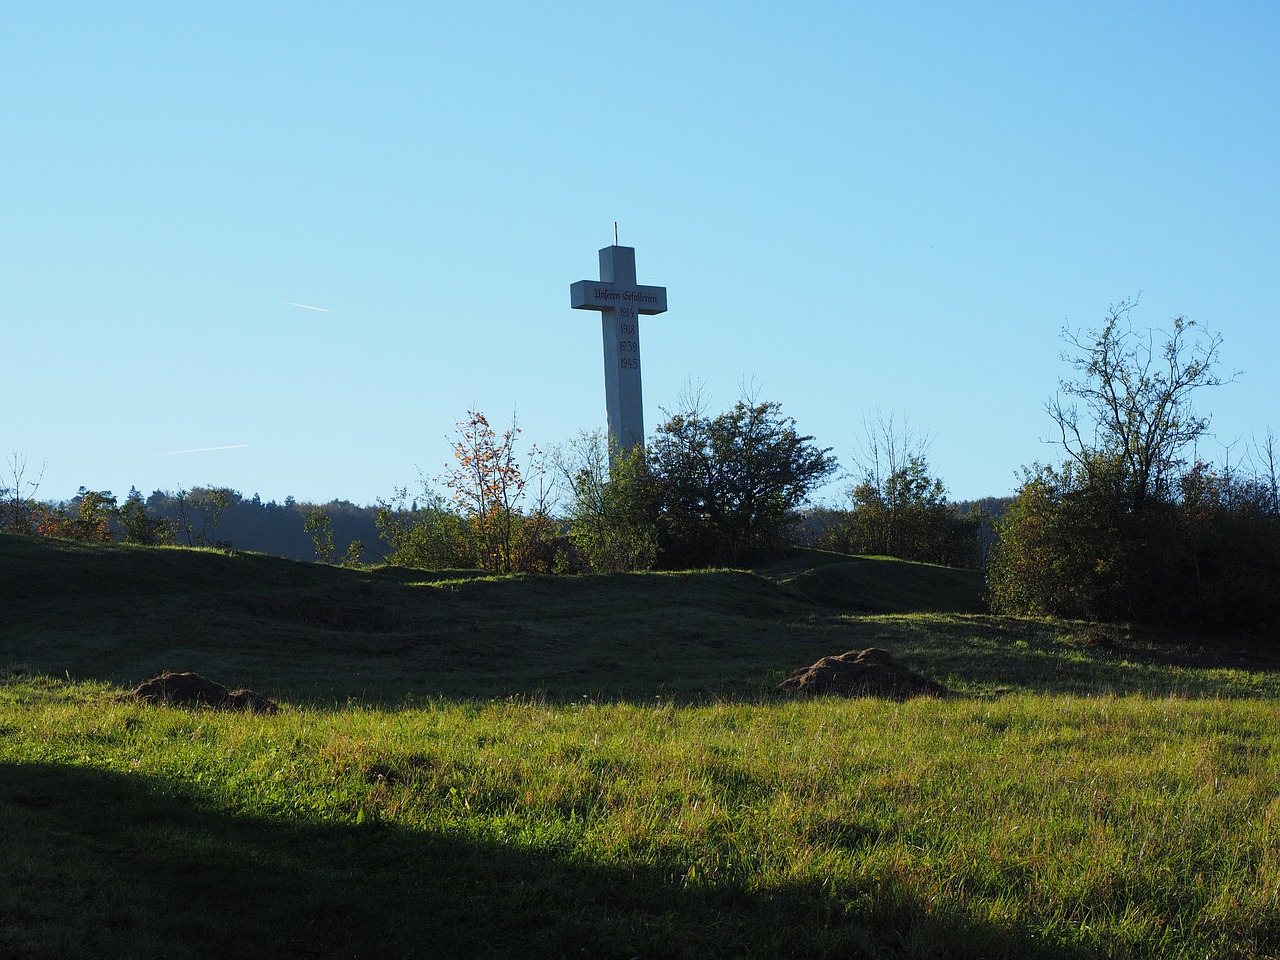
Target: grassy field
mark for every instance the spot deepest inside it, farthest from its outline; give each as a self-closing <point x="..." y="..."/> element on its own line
<point x="599" y="767"/>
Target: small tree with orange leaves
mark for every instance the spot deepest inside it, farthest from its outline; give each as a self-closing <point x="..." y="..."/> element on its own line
<point x="488" y="486"/>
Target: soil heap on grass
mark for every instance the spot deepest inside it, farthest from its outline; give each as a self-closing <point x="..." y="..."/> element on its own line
<point x="862" y="673"/>
<point x="193" y="690"/>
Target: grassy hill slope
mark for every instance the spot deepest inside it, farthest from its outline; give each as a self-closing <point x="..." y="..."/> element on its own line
<point x="597" y="767"/>
<point x="308" y="633"/>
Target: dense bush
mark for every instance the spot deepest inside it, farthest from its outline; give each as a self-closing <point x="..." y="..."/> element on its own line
<point x="1125" y="529"/>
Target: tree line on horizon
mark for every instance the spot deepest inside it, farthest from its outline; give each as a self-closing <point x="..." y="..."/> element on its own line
<point x="1127" y="527"/>
<point x="202" y="516"/>
<point x="708" y="491"/>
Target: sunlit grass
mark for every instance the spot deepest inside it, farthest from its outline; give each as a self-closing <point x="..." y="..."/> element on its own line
<point x="1026" y="825"/>
<point x="601" y="767"/>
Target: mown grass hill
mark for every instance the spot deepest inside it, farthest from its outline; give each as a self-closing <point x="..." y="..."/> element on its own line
<point x="602" y="767"/>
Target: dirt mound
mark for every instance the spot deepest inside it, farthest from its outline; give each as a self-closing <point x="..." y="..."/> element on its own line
<point x="862" y="673"/>
<point x="193" y="690"/>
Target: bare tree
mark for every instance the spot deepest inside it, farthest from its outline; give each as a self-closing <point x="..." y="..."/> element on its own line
<point x="1137" y="416"/>
<point x="1265" y="461"/>
<point x="888" y="445"/>
<point x="898" y="507"/>
<point x="17" y="494"/>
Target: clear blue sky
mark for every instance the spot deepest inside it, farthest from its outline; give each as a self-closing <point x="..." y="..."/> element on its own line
<point x="852" y="205"/>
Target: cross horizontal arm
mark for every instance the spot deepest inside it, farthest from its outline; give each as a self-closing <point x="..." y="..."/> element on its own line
<point x="601" y="295"/>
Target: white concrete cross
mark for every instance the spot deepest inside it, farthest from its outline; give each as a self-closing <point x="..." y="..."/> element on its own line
<point x="620" y="301"/>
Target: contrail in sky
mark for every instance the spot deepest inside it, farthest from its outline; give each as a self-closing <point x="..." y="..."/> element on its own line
<point x="290" y="303"/>
<point x="174" y="453"/>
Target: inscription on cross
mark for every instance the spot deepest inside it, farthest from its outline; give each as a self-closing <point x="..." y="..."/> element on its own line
<point x="620" y="301"/>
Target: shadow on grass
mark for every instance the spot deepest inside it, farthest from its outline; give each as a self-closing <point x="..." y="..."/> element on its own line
<point x="984" y="652"/>
<point x="878" y="584"/>
<point x="324" y="636"/>
<point x="106" y="864"/>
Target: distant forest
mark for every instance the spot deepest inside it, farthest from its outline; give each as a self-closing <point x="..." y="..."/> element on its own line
<point x="220" y="516"/>
<point x="213" y="516"/>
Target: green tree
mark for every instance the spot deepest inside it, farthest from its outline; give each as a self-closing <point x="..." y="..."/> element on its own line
<point x="138" y="526"/>
<point x="1125" y="529"/>
<point x="199" y="511"/>
<point x="896" y="502"/>
<point x="612" y="517"/>
<point x="1064" y="549"/>
<point x="897" y="507"/>
<point x="906" y="515"/>
<point x="728" y="486"/>
<point x="424" y="534"/>
<point x="355" y="550"/>
<point x="318" y="525"/>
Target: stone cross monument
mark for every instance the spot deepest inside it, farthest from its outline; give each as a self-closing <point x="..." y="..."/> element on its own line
<point x="620" y="301"/>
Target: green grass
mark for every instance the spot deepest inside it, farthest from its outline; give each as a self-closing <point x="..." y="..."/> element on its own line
<point x="598" y="767"/>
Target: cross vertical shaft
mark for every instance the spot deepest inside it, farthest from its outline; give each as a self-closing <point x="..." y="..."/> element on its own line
<point x="620" y="301"/>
